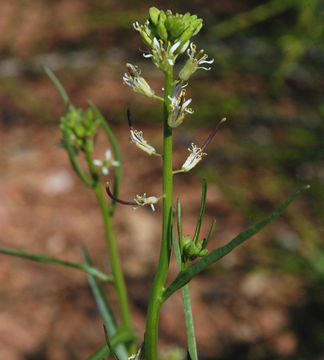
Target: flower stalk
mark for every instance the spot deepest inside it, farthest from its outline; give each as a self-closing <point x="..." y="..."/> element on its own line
<point x="151" y="333"/>
<point x="113" y="253"/>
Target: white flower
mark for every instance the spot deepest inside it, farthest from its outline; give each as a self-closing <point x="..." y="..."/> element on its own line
<point x="134" y="80"/>
<point x="194" y="62"/>
<point x="142" y="200"/>
<point x="106" y="163"/>
<point x="136" y="137"/>
<point x="179" y="106"/>
<point x="163" y="56"/>
<point x="194" y="158"/>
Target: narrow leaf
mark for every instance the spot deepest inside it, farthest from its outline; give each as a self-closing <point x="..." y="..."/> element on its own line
<point x="57" y="84"/>
<point x="185" y="276"/>
<point x="110" y="347"/>
<point x="51" y="260"/>
<point x="104" y="308"/>
<point x="121" y="337"/>
<point x="202" y="208"/>
<point x="191" y="339"/>
<point x="179" y="225"/>
<point x="176" y="249"/>
<point x="211" y="231"/>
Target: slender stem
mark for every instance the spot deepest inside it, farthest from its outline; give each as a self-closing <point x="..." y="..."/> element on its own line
<point x="178" y="171"/>
<point x="151" y="333"/>
<point x="113" y="253"/>
<point x="158" y="97"/>
<point x="114" y="259"/>
<point x="191" y="339"/>
<point x="74" y="162"/>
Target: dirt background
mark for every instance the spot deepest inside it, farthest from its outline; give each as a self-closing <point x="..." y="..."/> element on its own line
<point x="264" y="300"/>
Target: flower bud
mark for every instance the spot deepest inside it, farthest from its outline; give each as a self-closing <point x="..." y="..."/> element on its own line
<point x="80" y="126"/>
<point x="190" y="250"/>
<point x="170" y="28"/>
<point x="146" y="39"/>
<point x="154" y="15"/>
<point x="161" y="29"/>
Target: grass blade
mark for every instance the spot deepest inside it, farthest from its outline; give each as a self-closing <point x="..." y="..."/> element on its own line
<point x="185" y="276"/>
<point x="192" y="347"/>
<point x="104" y="308"/>
<point x="51" y="260"/>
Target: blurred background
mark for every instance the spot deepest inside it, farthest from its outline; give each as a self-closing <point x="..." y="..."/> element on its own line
<point x="265" y="300"/>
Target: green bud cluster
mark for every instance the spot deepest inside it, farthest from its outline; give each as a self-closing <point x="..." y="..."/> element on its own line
<point x="191" y="250"/>
<point x="80" y="126"/>
<point x="170" y="27"/>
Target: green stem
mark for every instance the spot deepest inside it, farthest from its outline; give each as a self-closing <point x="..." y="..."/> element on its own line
<point x="114" y="259"/>
<point x="77" y="168"/>
<point x="113" y="253"/>
<point x="151" y="333"/>
<point x="158" y="97"/>
<point x="179" y="171"/>
<point x="192" y="347"/>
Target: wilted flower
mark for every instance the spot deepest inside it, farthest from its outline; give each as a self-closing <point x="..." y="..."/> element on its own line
<point x="134" y="79"/>
<point x="179" y="106"/>
<point x="145" y="32"/>
<point x="194" y="62"/>
<point x="106" y="163"/>
<point x="194" y="158"/>
<point x="142" y="200"/>
<point x="136" y="137"/>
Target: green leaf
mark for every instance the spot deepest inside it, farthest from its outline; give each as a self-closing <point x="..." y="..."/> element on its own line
<point x="179" y="225"/>
<point x="192" y="347"/>
<point x="121" y="337"/>
<point x="57" y="84"/>
<point x="202" y="208"/>
<point x="211" y="231"/>
<point x="51" y="260"/>
<point x="104" y="307"/>
<point x="185" y="276"/>
<point x="110" y="347"/>
<point x="116" y="151"/>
